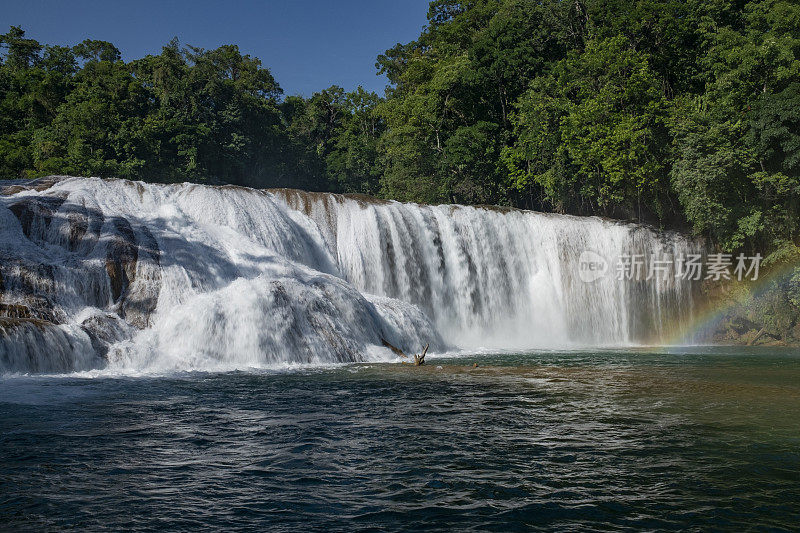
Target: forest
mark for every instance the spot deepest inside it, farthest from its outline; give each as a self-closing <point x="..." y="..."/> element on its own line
<point x="680" y="114"/>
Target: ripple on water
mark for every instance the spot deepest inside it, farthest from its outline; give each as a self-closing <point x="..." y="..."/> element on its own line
<point x="611" y="442"/>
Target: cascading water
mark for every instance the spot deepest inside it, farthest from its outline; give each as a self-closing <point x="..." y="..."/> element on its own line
<point x="131" y="276"/>
<point x="503" y="278"/>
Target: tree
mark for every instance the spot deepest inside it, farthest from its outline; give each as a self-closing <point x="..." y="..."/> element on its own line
<point x="448" y="114"/>
<point x="737" y="170"/>
<point x="20" y="52"/>
<point x="605" y="109"/>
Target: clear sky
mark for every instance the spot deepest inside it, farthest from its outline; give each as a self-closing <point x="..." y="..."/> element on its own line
<point x="307" y="44"/>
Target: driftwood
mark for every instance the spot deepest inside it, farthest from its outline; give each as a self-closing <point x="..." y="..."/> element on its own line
<point x="420" y="359"/>
<point x="393" y="348"/>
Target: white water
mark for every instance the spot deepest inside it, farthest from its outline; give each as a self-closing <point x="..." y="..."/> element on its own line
<point x="220" y="278"/>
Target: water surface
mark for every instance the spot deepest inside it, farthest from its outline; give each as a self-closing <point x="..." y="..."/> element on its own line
<point x="690" y="438"/>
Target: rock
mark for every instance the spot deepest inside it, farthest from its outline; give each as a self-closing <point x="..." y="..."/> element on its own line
<point x="105" y="330"/>
<point x="121" y="256"/>
<point x="14" y="316"/>
<point x="142" y="296"/>
<point x="31" y="285"/>
<point x="18" y="311"/>
<point x="38" y="184"/>
<point x="14" y="311"/>
<point x="30" y="345"/>
<point x="134" y="272"/>
<point x="7" y="324"/>
<point x="35" y="214"/>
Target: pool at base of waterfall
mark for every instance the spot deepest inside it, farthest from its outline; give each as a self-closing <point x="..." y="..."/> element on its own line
<point x="705" y="438"/>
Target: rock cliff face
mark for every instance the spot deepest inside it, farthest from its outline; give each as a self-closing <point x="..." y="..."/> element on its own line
<point x="38" y="334"/>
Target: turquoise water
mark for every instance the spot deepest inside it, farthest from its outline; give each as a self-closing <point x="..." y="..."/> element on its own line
<point x="700" y="438"/>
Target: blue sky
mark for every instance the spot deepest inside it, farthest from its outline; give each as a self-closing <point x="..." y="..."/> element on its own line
<point x="307" y="44"/>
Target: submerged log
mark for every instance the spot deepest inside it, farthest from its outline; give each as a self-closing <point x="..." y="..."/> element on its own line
<point x="393" y="348"/>
<point x="420" y="359"/>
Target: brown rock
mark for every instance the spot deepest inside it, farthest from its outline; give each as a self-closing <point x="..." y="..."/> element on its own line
<point x="121" y="257"/>
<point x="36" y="214"/>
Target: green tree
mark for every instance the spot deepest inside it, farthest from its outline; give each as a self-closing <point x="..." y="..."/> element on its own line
<point x="353" y="159"/>
<point x="448" y="112"/>
<point x="592" y="134"/>
<point x="737" y="144"/>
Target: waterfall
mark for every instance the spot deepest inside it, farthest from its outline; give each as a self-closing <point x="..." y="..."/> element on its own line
<point x="131" y="276"/>
<point x="504" y="278"/>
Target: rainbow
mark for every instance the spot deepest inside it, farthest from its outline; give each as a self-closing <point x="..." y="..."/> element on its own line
<point x="708" y="317"/>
